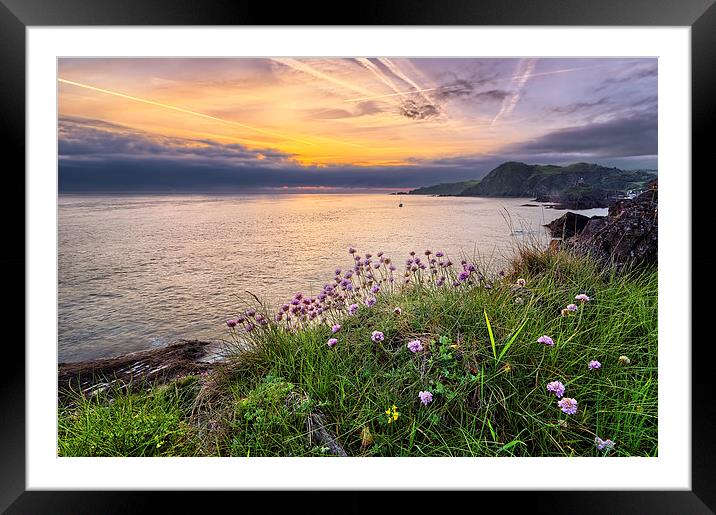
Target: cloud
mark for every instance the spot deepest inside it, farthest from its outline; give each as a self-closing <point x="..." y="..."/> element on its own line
<point x="417" y="110"/>
<point x="634" y="135"/>
<point x="461" y="88"/>
<point x="96" y="140"/>
<point x="577" y="107"/>
<point x="361" y="109"/>
<point x="632" y="75"/>
<point x="97" y="156"/>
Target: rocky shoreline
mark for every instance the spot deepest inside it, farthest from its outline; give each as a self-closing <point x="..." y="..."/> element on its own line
<point x="588" y="200"/>
<point x="137" y="369"/>
<point x="627" y="235"/>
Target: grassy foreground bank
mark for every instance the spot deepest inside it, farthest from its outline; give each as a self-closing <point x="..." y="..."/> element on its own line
<point x="478" y="358"/>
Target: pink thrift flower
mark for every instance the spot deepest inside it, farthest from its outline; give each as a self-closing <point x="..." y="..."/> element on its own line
<point x="572" y="307"/>
<point x="332" y="342"/>
<point x="425" y="397"/>
<point x="594" y="365"/>
<point x="377" y="336"/>
<point x="336" y="328"/>
<point x="546" y="340"/>
<point x="582" y="297"/>
<point x="415" y="346"/>
<point x="556" y="388"/>
<point x="568" y="405"/>
<point x="603" y="444"/>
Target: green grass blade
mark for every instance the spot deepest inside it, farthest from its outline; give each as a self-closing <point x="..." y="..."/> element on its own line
<point x="492" y="431"/>
<point x="492" y="336"/>
<point x="511" y="444"/>
<point x="511" y="341"/>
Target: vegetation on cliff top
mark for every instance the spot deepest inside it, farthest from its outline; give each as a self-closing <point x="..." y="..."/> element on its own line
<point x="555" y="357"/>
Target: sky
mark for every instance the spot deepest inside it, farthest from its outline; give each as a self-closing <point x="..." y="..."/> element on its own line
<point x="329" y="123"/>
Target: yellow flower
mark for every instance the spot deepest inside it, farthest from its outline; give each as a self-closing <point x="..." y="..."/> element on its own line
<point x="392" y="413"/>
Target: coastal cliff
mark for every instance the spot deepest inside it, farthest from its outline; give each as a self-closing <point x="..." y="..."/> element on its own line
<point x="628" y="234"/>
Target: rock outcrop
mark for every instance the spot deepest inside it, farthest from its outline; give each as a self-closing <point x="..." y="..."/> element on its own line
<point x="569" y="224"/>
<point x="627" y="235"/>
<point x="183" y="358"/>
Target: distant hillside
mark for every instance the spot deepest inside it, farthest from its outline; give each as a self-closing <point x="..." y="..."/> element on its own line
<point x="514" y="179"/>
<point x="445" y="188"/>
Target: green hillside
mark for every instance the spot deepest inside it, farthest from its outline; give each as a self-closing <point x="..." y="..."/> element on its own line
<point x="513" y="179"/>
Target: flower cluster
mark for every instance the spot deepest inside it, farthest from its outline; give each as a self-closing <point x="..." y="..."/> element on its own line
<point x="392" y="413"/>
<point x="360" y="286"/>
<point x="568" y="405"/>
<point x="415" y="346"/>
<point x="594" y="365"/>
<point x="425" y="397"/>
<point x="249" y="321"/>
<point x="546" y="340"/>
<point x="556" y="388"/>
<point x="603" y="444"/>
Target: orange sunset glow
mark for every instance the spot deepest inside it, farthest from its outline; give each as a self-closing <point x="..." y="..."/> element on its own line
<point x="323" y="113"/>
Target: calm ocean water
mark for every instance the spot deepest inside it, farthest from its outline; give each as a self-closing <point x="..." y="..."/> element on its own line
<point x="137" y="272"/>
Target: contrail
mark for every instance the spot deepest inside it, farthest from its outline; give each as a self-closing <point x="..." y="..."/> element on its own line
<point x="376" y="71"/>
<point x="510" y="102"/>
<point x="393" y="68"/>
<point x="413" y="91"/>
<point x="310" y="70"/>
<point x="182" y="110"/>
<point x="209" y="117"/>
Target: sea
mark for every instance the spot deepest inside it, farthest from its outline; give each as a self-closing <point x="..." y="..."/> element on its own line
<point x="137" y="272"/>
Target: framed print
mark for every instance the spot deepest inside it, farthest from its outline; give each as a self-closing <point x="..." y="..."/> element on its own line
<point x="418" y="252"/>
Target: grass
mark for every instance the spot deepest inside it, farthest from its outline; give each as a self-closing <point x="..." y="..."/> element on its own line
<point x="116" y="423"/>
<point x="481" y="361"/>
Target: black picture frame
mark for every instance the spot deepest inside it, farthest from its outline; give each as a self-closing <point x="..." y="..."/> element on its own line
<point x="17" y="15"/>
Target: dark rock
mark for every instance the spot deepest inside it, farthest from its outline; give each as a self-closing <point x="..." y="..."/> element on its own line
<point x="183" y="358"/>
<point x="594" y="224"/>
<point x="629" y="234"/>
<point x="567" y="225"/>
